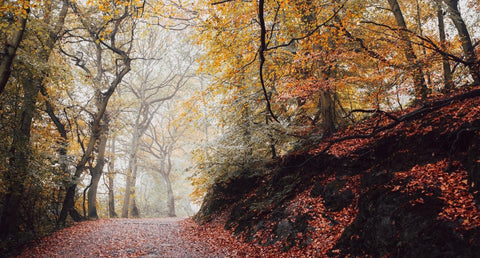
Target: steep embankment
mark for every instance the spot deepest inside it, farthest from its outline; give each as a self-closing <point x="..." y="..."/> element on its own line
<point x="403" y="184"/>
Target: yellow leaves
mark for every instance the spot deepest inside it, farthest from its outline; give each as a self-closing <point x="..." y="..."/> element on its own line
<point x="107" y="18"/>
<point x="17" y="9"/>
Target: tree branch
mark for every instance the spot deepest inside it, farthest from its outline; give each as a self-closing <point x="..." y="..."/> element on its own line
<point x="292" y="40"/>
<point x="221" y="2"/>
<point x="371" y="111"/>
<point x="261" y="52"/>
<point x="430" y="44"/>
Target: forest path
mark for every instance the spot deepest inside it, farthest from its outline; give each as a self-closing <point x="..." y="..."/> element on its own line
<point x="121" y="238"/>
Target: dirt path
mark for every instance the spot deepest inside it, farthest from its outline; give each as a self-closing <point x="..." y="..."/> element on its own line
<point x="121" y="238"/>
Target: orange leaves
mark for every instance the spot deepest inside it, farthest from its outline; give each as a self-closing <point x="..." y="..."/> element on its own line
<point x="325" y="228"/>
<point x="459" y="205"/>
<point x="120" y="238"/>
<point x="218" y="240"/>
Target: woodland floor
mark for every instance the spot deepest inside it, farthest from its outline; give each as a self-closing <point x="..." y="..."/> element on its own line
<point x="162" y="237"/>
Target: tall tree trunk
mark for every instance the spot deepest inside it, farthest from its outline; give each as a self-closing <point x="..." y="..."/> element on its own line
<point x="420" y="31"/>
<point x="327" y="108"/>
<point x="273" y="150"/>
<point x="111" y="178"/>
<point x="96" y="175"/>
<point x="132" y="153"/>
<point x="135" y="212"/>
<point x="19" y="160"/>
<point x="130" y="168"/>
<point x="246" y="126"/>
<point x="447" y="71"/>
<point x="326" y="104"/>
<point x="126" y="197"/>
<point x="421" y="90"/>
<point x="123" y="66"/>
<point x="141" y="124"/>
<point x="69" y="201"/>
<point x="465" y="39"/>
<point x="170" y="196"/>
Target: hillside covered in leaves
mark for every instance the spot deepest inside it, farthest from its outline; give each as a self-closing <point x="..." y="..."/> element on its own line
<point x="399" y="184"/>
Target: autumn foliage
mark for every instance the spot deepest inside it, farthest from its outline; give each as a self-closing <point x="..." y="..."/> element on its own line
<point x="411" y="190"/>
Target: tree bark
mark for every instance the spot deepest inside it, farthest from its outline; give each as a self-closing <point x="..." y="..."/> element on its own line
<point x="327" y="108"/>
<point x="142" y="121"/>
<point x="69" y="201"/>
<point x="96" y="175"/>
<point x="170" y="196"/>
<point x="130" y="168"/>
<point x="447" y="71"/>
<point x="421" y="90"/>
<point x="135" y="212"/>
<point x="465" y="39"/>
<point x="111" y="178"/>
<point x="126" y="197"/>
<point x="420" y="31"/>
<point x="326" y="104"/>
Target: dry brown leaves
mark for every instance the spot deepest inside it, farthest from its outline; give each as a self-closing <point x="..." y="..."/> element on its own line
<point x="118" y="238"/>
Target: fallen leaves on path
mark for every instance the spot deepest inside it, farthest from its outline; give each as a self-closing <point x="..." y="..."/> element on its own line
<point x="221" y="242"/>
<point x="122" y="238"/>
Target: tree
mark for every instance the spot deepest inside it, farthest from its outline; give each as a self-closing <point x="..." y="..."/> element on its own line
<point x="468" y="50"/>
<point x="447" y="72"/>
<point x="113" y="33"/>
<point x="160" y="144"/>
<point x="152" y="84"/>
<point x="418" y="78"/>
